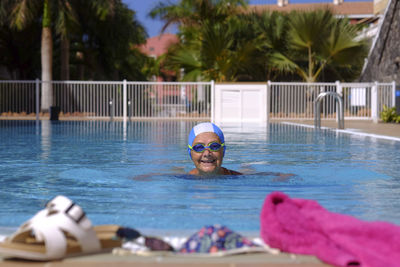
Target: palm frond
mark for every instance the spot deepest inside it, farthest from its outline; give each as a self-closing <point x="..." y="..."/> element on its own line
<point x="285" y="65"/>
<point x="23" y="12"/>
<point x="309" y="29"/>
<point x="67" y="19"/>
<point x="104" y="8"/>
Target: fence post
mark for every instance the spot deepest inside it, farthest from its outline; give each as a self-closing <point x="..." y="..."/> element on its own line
<point x="393" y="93"/>
<point x="37" y="99"/>
<point x="125" y="100"/>
<point x="110" y="103"/>
<point x="212" y="101"/>
<point x="374" y="102"/>
<point x="339" y="90"/>
<point x="129" y="109"/>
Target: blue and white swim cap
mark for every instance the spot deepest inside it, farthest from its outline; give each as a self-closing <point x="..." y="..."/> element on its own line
<point x="205" y="127"/>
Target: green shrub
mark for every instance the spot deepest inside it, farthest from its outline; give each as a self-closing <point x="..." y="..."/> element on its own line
<point x="389" y="115"/>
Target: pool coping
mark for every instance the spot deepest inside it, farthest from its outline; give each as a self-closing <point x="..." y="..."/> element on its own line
<point x="364" y="128"/>
<point x="109" y="259"/>
<point x="348" y="131"/>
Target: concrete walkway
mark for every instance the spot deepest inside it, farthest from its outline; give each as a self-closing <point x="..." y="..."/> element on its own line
<point x="109" y="260"/>
<point x="357" y="126"/>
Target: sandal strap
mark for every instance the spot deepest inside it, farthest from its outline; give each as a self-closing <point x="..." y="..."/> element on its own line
<point x="72" y="210"/>
<point x="61" y="215"/>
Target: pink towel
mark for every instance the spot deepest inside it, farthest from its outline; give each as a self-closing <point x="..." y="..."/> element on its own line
<point x="304" y="227"/>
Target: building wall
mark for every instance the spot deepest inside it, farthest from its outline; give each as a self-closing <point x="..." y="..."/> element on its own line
<point x="379" y="6"/>
<point x="360" y="9"/>
<point x="383" y="63"/>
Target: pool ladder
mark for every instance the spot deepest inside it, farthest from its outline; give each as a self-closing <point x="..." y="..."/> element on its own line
<point x="317" y="113"/>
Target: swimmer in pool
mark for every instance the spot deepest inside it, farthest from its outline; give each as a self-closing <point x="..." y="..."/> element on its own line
<point x="206" y="147"/>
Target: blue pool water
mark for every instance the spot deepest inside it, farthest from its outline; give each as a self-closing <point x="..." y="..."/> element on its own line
<point x="133" y="174"/>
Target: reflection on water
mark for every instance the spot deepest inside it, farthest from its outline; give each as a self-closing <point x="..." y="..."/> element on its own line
<point x="159" y="131"/>
<point x="46" y="139"/>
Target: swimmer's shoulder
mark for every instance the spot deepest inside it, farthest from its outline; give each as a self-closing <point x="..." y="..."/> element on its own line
<point x="194" y="172"/>
<point x="230" y="172"/>
<point x="224" y="171"/>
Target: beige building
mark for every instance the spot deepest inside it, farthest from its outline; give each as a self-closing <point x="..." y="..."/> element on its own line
<point x="357" y="11"/>
<point x="380" y="6"/>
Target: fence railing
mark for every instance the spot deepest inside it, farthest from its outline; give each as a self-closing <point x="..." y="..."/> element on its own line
<point x="18" y="97"/>
<point x="360" y="100"/>
<point x="110" y="99"/>
<point x="193" y="100"/>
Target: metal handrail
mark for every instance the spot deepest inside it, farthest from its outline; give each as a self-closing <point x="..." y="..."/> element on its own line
<point x="317" y="114"/>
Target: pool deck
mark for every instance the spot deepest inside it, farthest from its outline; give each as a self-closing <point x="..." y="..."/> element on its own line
<point x="108" y="260"/>
<point x="253" y="260"/>
<point x="357" y="126"/>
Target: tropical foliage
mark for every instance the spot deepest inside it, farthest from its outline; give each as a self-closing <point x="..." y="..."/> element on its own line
<point x="20" y="51"/>
<point x="194" y="13"/>
<point x="97" y="36"/>
<point x="389" y="115"/>
<point x="90" y="39"/>
<point x="228" y="43"/>
<point x="219" y="40"/>
<point x="106" y="47"/>
<point x="318" y="41"/>
<point x="209" y="49"/>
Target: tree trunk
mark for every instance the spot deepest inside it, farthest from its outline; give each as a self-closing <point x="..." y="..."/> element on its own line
<point x="64" y="75"/>
<point x="47" y="59"/>
<point x="47" y="64"/>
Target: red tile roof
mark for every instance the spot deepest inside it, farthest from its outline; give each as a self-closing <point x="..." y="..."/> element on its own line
<point x="158" y="45"/>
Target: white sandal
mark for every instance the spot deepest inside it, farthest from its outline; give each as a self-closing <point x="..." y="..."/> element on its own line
<point x="58" y="231"/>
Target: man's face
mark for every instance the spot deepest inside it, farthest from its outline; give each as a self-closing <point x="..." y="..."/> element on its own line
<point x="207" y="162"/>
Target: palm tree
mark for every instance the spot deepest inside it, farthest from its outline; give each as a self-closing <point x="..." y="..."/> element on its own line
<point x="208" y="49"/>
<point x="316" y="41"/>
<point x="57" y="14"/>
<point x="306" y="45"/>
<point x="19" y="51"/>
<point x="108" y="46"/>
<point x="23" y="12"/>
<point x="153" y="67"/>
<point x="193" y="13"/>
<point x="215" y="55"/>
<point x="270" y="33"/>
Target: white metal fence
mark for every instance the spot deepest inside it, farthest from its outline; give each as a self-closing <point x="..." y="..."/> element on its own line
<point x="189" y="100"/>
<point x="109" y="99"/>
<point x="360" y="100"/>
<point x="18" y="97"/>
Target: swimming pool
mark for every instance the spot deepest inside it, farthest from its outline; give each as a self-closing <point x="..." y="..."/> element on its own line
<point x="133" y="174"/>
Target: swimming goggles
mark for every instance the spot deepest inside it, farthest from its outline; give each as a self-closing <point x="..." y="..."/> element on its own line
<point x="213" y="146"/>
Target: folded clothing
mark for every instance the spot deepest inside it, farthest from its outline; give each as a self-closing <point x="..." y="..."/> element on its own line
<point x="149" y="242"/>
<point x="215" y="238"/>
<point x="304" y="227"/>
